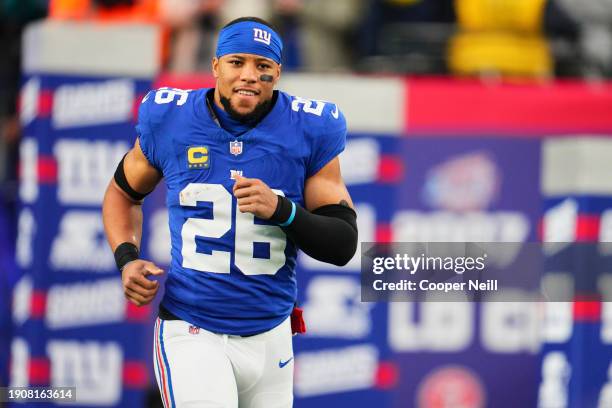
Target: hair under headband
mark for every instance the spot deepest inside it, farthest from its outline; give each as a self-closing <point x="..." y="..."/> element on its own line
<point x="250" y="37"/>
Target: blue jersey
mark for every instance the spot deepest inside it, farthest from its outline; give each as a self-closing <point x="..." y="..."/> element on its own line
<point x="232" y="272"/>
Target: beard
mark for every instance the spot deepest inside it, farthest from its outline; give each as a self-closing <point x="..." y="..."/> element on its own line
<point x="260" y="110"/>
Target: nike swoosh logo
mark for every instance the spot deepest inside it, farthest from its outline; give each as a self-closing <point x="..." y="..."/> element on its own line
<point x="336" y="113"/>
<point x="281" y="364"/>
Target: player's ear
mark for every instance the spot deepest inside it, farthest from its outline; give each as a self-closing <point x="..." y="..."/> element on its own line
<point x="215" y="67"/>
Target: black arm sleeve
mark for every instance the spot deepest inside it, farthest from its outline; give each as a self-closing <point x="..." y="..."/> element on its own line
<point x="122" y="182"/>
<point x="328" y="234"/>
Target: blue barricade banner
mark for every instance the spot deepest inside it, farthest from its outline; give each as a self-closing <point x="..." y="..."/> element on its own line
<point x="73" y="326"/>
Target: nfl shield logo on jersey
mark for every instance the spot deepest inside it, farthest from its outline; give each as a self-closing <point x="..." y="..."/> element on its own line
<point x="235" y="147"/>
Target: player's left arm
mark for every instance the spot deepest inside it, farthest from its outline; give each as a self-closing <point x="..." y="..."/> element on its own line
<point x="326" y="229"/>
<point x="326" y="187"/>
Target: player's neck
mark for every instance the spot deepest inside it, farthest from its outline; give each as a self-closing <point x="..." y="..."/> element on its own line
<point x="214" y="99"/>
<point x="220" y="111"/>
<point x="226" y="121"/>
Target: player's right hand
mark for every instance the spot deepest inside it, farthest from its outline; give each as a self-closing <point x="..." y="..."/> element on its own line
<point x="137" y="288"/>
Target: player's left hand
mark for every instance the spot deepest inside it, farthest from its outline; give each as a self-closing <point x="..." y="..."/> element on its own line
<point x="254" y="196"/>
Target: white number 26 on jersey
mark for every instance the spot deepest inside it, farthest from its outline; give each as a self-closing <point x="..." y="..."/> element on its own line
<point x="247" y="233"/>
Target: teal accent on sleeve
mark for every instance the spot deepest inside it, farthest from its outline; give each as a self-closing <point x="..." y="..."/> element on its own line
<point x="291" y="217"/>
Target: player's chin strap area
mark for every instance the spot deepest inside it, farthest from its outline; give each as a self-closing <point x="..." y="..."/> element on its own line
<point x="328" y="234"/>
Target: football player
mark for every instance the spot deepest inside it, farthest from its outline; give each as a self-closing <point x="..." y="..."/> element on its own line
<point x="252" y="174"/>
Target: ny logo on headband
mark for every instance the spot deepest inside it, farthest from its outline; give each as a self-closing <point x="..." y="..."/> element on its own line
<point x="261" y="36"/>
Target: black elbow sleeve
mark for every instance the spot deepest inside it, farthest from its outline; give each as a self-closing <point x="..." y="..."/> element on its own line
<point x="328" y="234"/>
<point x="345" y="229"/>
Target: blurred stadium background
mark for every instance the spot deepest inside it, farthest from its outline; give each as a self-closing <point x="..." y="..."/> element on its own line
<point x="469" y="120"/>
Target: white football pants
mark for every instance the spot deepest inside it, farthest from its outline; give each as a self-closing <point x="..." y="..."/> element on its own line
<point x="197" y="368"/>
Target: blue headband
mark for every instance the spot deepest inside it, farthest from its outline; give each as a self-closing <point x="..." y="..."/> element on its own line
<point x="249" y="37"/>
